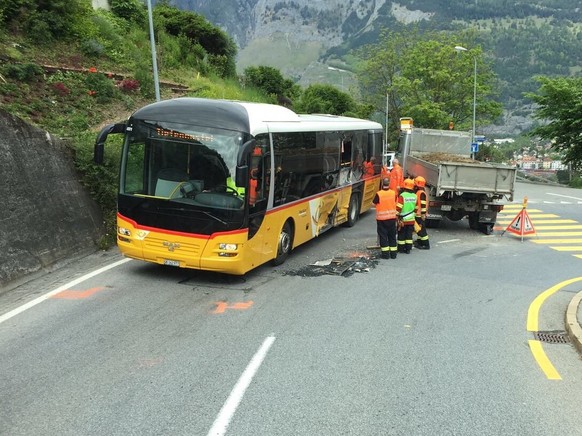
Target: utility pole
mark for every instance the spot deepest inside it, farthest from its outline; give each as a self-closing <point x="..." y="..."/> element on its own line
<point x="459" y="48"/>
<point x="154" y="55"/>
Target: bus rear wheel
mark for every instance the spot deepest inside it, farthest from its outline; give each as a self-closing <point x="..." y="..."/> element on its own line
<point x="284" y="245"/>
<point x="353" y="210"/>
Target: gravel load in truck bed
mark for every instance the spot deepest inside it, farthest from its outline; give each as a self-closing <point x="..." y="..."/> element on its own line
<point x="436" y="158"/>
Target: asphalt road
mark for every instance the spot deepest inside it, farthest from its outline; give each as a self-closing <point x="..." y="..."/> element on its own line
<point x="432" y="343"/>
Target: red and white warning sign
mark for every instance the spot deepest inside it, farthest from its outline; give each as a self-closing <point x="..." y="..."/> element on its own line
<point x="521" y="224"/>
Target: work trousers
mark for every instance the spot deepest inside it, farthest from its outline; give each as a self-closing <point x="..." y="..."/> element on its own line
<point x="387" y="238"/>
<point x="405" y="237"/>
<point x="422" y="239"/>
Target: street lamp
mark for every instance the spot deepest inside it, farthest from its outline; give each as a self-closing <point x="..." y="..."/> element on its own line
<point x="341" y="75"/>
<point x="154" y="56"/>
<point x="459" y="49"/>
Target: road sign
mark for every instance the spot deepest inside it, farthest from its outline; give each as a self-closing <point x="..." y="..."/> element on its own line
<point x="474" y="147"/>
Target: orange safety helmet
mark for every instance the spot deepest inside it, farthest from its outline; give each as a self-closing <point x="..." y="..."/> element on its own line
<point x="408" y="184"/>
<point x="420" y="182"/>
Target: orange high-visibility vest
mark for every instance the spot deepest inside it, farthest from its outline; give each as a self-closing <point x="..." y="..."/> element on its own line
<point x="421" y="203"/>
<point x="368" y="168"/>
<point x="386" y="207"/>
<point x="396" y="178"/>
<point x="253" y="191"/>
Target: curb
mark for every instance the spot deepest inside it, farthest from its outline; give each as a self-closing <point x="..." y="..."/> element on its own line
<point x="572" y="324"/>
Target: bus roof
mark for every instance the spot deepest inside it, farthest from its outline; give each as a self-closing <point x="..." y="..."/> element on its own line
<point x="254" y="118"/>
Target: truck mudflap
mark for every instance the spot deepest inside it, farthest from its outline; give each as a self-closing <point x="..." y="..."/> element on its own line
<point x="484" y="220"/>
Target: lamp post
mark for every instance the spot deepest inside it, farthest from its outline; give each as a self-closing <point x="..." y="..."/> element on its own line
<point x="341" y="75"/>
<point x="154" y="56"/>
<point x="459" y="49"/>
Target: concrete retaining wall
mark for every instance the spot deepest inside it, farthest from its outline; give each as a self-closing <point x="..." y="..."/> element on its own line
<point x="46" y="215"/>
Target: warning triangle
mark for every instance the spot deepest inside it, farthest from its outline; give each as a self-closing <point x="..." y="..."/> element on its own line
<point x="521" y="224"/>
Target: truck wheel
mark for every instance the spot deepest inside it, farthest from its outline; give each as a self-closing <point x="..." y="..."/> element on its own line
<point x="353" y="210"/>
<point x="284" y="245"/>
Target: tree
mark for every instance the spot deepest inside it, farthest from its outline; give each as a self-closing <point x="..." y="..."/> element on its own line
<point x="130" y="10"/>
<point x="198" y="30"/>
<point x="271" y="81"/>
<point x="327" y="99"/>
<point x="44" y="21"/>
<point x="425" y="78"/>
<point x="559" y="103"/>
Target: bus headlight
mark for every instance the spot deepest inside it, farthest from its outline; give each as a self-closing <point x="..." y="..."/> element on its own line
<point x="123" y="231"/>
<point x="228" y="247"/>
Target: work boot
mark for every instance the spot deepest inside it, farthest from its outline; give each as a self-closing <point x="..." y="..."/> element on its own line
<point x="424" y="245"/>
<point x="393" y="254"/>
<point x="385" y="255"/>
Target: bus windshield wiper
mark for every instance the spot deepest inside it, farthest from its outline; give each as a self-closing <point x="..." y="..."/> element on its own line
<point x="214" y="217"/>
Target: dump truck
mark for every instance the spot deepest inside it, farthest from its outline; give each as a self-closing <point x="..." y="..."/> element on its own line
<point x="457" y="185"/>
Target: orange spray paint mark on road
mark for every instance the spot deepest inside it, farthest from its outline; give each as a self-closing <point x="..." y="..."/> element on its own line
<point x="221" y="306"/>
<point x="77" y="295"/>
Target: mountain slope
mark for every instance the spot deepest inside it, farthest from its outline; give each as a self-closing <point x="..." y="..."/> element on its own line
<point x="302" y="37"/>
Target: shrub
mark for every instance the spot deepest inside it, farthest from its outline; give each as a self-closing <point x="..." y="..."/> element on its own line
<point x="101" y="87"/>
<point x="128" y="85"/>
<point x="22" y="72"/>
<point x="60" y="89"/>
<point x="92" y="47"/>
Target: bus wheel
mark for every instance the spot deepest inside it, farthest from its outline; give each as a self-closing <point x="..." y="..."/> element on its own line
<point x="285" y="244"/>
<point x="353" y="210"/>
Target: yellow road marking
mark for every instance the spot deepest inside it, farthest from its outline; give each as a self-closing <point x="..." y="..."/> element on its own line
<point x="504" y="221"/>
<point x="543" y="361"/>
<point x="566" y="227"/>
<point x="562" y="248"/>
<point x="558" y="241"/>
<point x="579" y="256"/>
<point x="514" y="208"/>
<point x="532" y="326"/>
<point x="554" y="234"/>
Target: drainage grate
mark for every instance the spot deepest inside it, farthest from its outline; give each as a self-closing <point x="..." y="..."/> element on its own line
<point x="553" y="337"/>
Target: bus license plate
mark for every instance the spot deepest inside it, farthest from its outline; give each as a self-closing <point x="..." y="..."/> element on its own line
<point x="171" y="262"/>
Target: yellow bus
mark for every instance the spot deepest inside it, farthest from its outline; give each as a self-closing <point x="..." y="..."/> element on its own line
<point x="227" y="186"/>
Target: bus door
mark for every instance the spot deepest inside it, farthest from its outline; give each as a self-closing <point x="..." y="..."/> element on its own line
<point x="258" y="195"/>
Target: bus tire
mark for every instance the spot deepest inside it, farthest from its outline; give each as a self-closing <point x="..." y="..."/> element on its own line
<point x="353" y="210"/>
<point x="284" y="245"/>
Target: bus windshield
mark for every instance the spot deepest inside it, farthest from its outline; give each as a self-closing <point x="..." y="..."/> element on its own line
<point x="182" y="163"/>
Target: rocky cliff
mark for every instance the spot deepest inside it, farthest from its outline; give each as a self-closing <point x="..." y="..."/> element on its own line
<point x="46" y="214"/>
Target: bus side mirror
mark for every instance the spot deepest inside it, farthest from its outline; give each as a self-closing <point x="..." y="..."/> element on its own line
<point x="241" y="176"/>
<point x="244" y="153"/>
<point x="102" y="137"/>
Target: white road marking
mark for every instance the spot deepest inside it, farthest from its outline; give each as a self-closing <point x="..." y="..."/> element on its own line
<point x="565" y="196"/>
<point x="226" y="413"/>
<point x="447" y="241"/>
<point x="66" y="286"/>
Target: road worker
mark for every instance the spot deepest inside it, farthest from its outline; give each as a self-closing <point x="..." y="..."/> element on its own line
<point x="406" y="212"/>
<point x="396" y="176"/>
<point x="421" y="211"/>
<point x="368" y="168"/>
<point x="385" y="201"/>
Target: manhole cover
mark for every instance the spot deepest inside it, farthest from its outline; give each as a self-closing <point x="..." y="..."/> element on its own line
<point x="553" y="337"/>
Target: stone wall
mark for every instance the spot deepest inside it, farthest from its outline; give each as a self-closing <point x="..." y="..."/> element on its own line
<point x="46" y="215"/>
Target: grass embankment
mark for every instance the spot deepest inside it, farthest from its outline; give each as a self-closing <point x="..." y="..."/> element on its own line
<point x="72" y="96"/>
